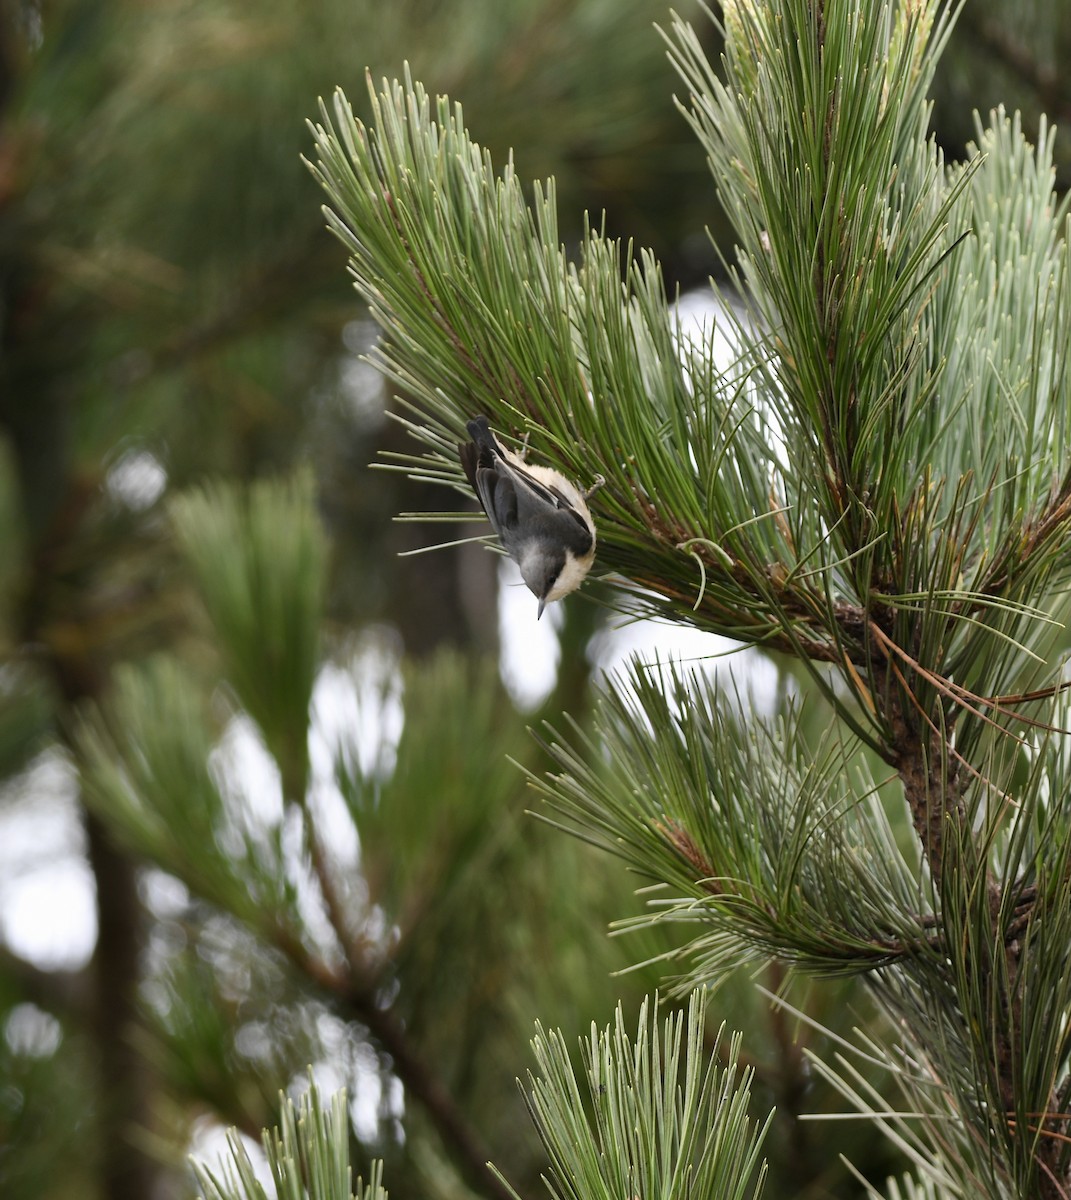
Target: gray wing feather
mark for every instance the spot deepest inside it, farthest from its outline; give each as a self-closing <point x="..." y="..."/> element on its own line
<point x="515" y="501"/>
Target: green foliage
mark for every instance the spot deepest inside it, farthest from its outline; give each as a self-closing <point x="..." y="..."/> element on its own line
<point x="26" y="707"/>
<point x="148" y="766"/>
<point x="308" y="1156"/>
<point x="654" y="1117"/>
<point x="435" y="239"/>
<point x="913" y="1189"/>
<point x="44" y="1066"/>
<point x="780" y="851"/>
<point x="763" y="839"/>
<point x="225" y="1019"/>
<point x="482" y="311"/>
<point x="445" y="835"/>
<point x="302" y="945"/>
<point x="893" y="312"/>
<point x="259" y="560"/>
<point x="879" y="484"/>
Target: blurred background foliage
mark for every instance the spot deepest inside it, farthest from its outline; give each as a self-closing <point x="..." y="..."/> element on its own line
<point x="304" y="842"/>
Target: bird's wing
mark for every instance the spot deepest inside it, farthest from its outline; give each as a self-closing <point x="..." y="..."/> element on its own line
<point x="505" y="487"/>
<point x="548" y="493"/>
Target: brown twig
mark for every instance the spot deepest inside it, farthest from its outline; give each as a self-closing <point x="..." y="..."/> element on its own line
<point x="959" y="695"/>
<point x="469" y="1152"/>
<point x="353" y="987"/>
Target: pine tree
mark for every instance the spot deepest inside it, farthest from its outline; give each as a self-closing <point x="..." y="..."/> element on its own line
<point x="395" y="917"/>
<point x="877" y="486"/>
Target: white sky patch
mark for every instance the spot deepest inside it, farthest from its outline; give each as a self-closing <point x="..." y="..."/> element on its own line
<point x="334" y="707"/>
<point x="366" y="1101"/>
<point x="709" y="323"/>
<point x="137" y="479"/>
<point x="47" y="894"/>
<point x="165" y="896"/>
<point x="50" y="916"/>
<point x="247" y="775"/>
<point x="357" y="709"/>
<point x="374" y="1095"/>
<point x="250" y="782"/>
<point x="208" y="1144"/>
<point x="362" y="385"/>
<point x="688" y="650"/>
<point x="529" y="647"/>
<point x="703" y="326"/>
<point x="357" y="719"/>
<point x="328" y="1076"/>
<point x="30" y="1032"/>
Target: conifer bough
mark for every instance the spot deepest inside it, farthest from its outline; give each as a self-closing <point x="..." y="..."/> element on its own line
<point x="879" y="484"/>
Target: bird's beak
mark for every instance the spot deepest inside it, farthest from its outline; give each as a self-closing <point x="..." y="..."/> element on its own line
<point x="542" y="605"/>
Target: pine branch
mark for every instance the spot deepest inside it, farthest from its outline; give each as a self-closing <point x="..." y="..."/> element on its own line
<point x="259" y="560"/>
<point x="760" y="579"/>
<point x="258" y="557"/>
<point x="354" y="991"/>
<point x="308" y="1156"/>
<point x="665" y="1119"/>
<point x="758" y="830"/>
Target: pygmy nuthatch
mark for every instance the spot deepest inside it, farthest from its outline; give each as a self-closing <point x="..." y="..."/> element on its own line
<point x="540" y="517"/>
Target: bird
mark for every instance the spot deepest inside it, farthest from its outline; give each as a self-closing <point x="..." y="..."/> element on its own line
<point x="542" y="519"/>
